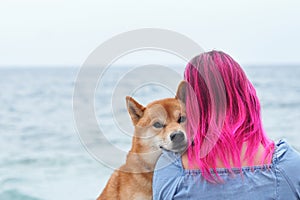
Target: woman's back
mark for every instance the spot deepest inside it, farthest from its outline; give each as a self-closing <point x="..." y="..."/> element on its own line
<point x="224" y="130"/>
<point x="279" y="180"/>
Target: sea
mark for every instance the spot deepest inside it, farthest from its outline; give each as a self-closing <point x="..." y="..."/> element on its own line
<point x="43" y="155"/>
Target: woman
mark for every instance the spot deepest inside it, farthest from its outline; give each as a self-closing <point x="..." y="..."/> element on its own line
<point x="228" y="156"/>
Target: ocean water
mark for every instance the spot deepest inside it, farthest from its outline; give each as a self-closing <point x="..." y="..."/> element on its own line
<point x="42" y="156"/>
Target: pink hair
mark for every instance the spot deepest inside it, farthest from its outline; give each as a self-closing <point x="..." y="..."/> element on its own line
<point x="223" y="112"/>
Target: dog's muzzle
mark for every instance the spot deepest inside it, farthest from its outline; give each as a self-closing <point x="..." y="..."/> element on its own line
<point x="178" y="141"/>
<point x="177" y="137"/>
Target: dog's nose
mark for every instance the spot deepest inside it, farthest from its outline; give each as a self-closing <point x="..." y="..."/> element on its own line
<point x="177" y="136"/>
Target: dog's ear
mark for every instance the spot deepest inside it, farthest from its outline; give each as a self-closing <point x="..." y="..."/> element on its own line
<point x="181" y="91"/>
<point x="135" y="109"/>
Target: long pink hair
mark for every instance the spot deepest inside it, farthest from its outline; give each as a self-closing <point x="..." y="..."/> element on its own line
<point x="223" y="113"/>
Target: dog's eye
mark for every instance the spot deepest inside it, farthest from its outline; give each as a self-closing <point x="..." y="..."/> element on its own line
<point x="181" y="119"/>
<point x="158" y="125"/>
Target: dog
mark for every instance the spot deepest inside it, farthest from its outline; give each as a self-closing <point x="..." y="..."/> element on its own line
<point x="159" y="125"/>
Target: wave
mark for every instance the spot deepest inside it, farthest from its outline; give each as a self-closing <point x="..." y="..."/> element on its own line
<point x="14" y="194"/>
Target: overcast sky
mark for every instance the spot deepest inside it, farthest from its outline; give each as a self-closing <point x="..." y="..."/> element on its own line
<point x="65" y="32"/>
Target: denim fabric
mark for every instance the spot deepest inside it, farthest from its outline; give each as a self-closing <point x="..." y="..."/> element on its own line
<point x="280" y="180"/>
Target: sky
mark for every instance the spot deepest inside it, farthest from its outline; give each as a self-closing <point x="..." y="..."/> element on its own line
<point x="65" y="32"/>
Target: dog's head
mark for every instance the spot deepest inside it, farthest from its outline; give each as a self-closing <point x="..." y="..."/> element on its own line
<point x="161" y="124"/>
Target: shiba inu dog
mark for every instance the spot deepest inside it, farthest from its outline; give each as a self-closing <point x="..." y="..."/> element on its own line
<point x="161" y="124"/>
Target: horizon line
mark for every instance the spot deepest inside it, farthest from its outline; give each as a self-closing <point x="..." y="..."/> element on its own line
<point x="129" y="65"/>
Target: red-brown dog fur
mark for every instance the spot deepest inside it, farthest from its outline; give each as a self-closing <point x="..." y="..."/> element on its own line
<point x="133" y="180"/>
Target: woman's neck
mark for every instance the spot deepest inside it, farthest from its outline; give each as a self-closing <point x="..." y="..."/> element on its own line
<point x="257" y="161"/>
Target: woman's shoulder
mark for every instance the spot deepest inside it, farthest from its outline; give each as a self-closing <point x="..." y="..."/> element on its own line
<point x="285" y="155"/>
<point x="168" y="163"/>
<point x="167" y="175"/>
<point x="287" y="162"/>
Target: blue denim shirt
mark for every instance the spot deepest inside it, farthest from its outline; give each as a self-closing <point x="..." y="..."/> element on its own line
<point x="279" y="180"/>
